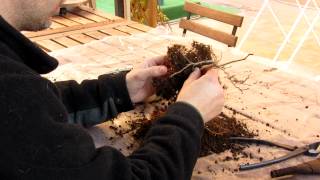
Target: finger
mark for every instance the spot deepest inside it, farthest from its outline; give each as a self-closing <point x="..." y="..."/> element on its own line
<point x="205" y="69"/>
<point x="155" y="71"/>
<point x="193" y="76"/>
<point x="159" y="60"/>
<point x="212" y="74"/>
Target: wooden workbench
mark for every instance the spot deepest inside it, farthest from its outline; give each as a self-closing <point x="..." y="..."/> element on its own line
<point x="82" y="25"/>
<point x="283" y="107"/>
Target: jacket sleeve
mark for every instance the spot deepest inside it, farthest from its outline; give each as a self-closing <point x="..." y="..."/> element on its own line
<point x="95" y="101"/>
<point x="37" y="144"/>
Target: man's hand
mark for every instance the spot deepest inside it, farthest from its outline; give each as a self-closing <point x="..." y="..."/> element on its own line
<point x="204" y="93"/>
<point x="139" y="80"/>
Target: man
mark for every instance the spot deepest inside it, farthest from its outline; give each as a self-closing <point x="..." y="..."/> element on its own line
<point x="41" y="126"/>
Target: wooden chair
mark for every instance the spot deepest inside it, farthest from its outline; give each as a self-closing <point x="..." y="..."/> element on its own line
<point x="228" y="39"/>
<point x="92" y="4"/>
<point x="74" y="3"/>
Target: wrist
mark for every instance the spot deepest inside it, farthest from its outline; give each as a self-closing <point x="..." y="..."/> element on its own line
<point x="193" y="106"/>
<point x="128" y="84"/>
<point x="116" y="83"/>
<point x="132" y="89"/>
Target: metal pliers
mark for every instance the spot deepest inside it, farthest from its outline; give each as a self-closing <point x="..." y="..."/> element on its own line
<point x="309" y="150"/>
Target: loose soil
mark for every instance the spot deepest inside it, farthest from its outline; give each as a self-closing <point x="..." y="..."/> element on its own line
<point x="215" y="138"/>
<point x="217" y="132"/>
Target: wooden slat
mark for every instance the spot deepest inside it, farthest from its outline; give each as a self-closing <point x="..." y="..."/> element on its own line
<point x="213" y="14"/>
<point x="96" y="34"/>
<point x="82" y="38"/>
<point x="82" y="30"/>
<point x="88" y="15"/>
<point x="55" y="25"/>
<point x="140" y="27"/>
<point x="209" y="32"/>
<point x="64" y="21"/>
<point x="49" y="45"/>
<point x="78" y="19"/>
<point x="67" y="42"/>
<point x="128" y="29"/>
<point x="113" y="32"/>
<point x="69" y="29"/>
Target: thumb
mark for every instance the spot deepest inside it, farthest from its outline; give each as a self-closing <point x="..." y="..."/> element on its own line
<point x="193" y="76"/>
<point x="155" y="71"/>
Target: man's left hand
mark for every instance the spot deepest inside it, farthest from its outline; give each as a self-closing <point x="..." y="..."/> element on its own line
<point x="139" y="79"/>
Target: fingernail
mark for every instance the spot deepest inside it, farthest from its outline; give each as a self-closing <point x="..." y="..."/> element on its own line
<point x="197" y="70"/>
<point x="163" y="69"/>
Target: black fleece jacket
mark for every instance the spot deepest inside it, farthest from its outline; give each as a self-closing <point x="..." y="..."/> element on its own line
<point x="42" y="135"/>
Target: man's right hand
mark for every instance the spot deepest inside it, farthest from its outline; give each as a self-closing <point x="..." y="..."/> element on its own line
<point x="204" y="93"/>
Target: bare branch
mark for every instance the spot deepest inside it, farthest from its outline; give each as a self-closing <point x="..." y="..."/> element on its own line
<point x="222" y="65"/>
<point x="230" y="77"/>
<point x="193" y="65"/>
<point x="206" y="63"/>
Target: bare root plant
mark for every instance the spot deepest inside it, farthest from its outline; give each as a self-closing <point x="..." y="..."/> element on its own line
<point x="182" y="61"/>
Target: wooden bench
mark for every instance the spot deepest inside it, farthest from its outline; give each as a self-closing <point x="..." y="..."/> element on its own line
<point x="231" y="19"/>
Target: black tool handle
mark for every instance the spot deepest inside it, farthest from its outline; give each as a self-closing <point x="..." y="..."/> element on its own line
<point x="295" y="153"/>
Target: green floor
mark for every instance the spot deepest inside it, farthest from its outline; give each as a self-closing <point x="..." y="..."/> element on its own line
<point x="172" y="8"/>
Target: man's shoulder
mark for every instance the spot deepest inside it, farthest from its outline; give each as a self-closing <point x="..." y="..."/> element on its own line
<point x="10" y="66"/>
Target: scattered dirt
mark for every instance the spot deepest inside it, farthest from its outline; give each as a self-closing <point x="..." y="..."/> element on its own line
<point x="270" y="70"/>
<point x="217" y="133"/>
<point x="215" y="138"/>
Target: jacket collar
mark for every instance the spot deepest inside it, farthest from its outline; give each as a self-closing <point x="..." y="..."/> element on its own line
<point x="27" y="51"/>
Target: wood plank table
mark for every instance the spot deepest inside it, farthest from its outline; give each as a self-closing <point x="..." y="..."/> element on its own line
<point x="82" y="25"/>
<point x="283" y="107"/>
